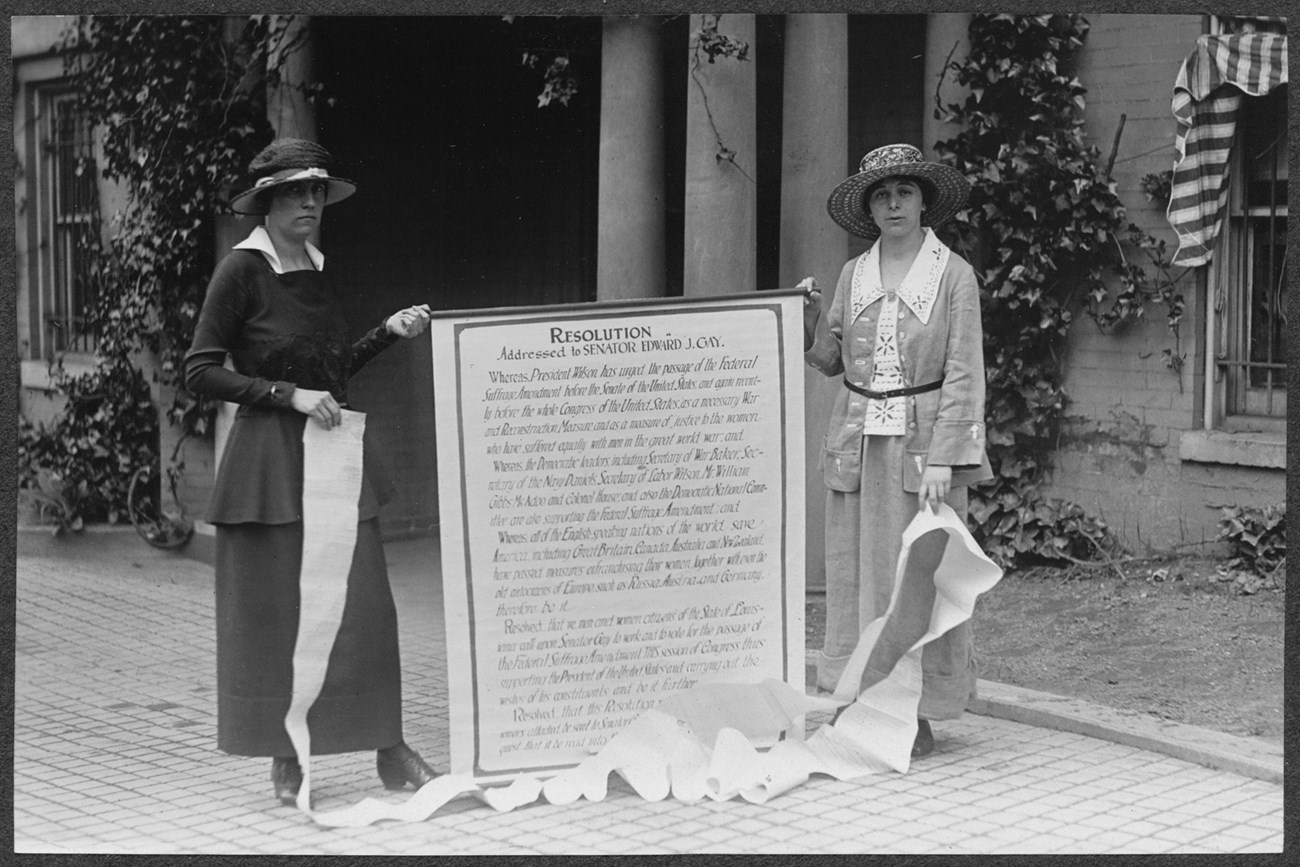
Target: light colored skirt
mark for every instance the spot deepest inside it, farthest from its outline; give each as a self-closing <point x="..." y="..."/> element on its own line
<point x="864" y="535"/>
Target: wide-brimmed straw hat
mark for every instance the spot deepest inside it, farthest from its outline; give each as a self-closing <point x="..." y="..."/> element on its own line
<point x="949" y="187"/>
<point x="284" y="161"/>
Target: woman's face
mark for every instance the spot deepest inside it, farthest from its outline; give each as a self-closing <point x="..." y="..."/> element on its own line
<point x="896" y="205"/>
<point x="295" y="208"/>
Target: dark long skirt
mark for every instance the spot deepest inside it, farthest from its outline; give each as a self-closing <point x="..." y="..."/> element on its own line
<point x="360" y="706"/>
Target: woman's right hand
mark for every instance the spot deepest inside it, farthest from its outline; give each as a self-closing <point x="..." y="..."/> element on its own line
<point x="319" y="405"/>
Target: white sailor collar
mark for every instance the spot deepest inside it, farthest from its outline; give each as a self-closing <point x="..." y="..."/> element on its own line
<point x="919" y="288"/>
<point x="260" y="240"/>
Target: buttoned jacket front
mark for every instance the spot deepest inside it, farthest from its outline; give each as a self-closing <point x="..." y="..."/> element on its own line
<point x="939" y="337"/>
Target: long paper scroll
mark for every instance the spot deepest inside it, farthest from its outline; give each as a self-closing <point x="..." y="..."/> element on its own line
<point x="621" y="499"/>
<point x="331" y="487"/>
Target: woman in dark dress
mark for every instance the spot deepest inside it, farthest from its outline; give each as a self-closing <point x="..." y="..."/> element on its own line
<point x="272" y="309"/>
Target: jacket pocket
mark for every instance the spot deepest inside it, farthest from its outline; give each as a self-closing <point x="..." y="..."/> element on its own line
<point x="842" y="470"/>
<point x="914" y="461"/>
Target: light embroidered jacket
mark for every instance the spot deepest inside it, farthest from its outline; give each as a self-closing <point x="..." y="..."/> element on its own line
<point x="939" y="336"/>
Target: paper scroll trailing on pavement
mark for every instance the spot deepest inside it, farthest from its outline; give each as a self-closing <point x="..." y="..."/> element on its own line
<point x="622" y="506"/>
<point x="701" y="743"/>
<point x="331" y="489"/>
<point x="941" y="571"/>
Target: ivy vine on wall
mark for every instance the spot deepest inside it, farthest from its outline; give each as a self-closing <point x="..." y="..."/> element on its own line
<point x="1047" y="234"/>
<point x="178" y="104"/>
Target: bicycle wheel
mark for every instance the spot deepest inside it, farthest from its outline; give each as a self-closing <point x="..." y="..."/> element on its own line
<point x="151" y="522"/>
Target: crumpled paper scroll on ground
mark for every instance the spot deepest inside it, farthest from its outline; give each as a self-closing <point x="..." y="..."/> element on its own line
<point x="697" y="744"/>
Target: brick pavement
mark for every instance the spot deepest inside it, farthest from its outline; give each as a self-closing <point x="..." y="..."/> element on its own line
<point x="114" y="752"/>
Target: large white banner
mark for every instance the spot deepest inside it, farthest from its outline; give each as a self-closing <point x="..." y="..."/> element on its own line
<point x="621" y="499"/>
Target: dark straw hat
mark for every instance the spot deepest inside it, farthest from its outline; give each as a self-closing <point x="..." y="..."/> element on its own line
<point x="949" y="186"/>
<point x="284" y="161"/>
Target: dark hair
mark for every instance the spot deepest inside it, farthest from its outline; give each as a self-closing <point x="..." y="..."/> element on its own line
<point x="928" y="191"/>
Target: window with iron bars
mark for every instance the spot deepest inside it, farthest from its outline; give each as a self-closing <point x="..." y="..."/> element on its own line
<point x="1248" y="319"/>
<point x="65" y="217"/>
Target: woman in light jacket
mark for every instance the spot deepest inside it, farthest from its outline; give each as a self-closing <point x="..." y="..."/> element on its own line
<point x="902" y="333"/>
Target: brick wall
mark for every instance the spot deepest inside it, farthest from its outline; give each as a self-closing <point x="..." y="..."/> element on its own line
<point x="1118" y="454"/>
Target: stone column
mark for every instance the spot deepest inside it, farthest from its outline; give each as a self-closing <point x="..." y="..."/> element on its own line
<point x="287" y="106"/>
<point x="815" y="140"/>
<point x="630" y="235"/>
<point x="946" y="38"/>
<point x="721" y="195"/>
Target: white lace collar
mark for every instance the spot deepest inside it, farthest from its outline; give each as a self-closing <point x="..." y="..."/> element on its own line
<point x="260" y="240"/>
<point x="918" y="289"/>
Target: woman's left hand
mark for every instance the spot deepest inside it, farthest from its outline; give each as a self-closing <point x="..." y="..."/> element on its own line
<point x="936" y="482"/>
<point x="410" y="322"/>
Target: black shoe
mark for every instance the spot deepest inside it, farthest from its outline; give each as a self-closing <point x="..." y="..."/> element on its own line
<point x="924" y="743"/>
<point x="286" y="776"/>
<point x="399" y="765"/>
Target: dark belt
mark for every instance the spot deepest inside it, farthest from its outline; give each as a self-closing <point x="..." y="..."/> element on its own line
<point x="894" y="392"/>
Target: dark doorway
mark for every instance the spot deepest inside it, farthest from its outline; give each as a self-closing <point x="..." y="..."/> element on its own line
<point x="887" y="98"/>
<point x="470" y="194"/>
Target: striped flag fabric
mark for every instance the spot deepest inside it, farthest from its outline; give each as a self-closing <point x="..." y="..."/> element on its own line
<point x="1207" y="96"/>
